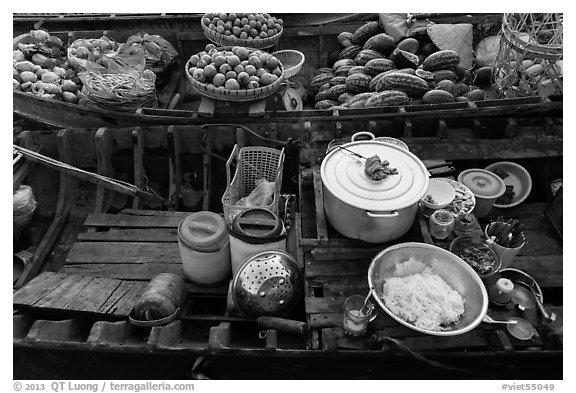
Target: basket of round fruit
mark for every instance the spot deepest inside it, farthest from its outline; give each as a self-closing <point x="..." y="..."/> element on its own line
<point x="254" y="30"/>
<point x="234" y="73"/>
<point x="94" y="48"/>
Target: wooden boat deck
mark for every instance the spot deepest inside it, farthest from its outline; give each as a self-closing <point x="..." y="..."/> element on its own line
<point x="336" y="267"/>
<point x="85" y="304"/>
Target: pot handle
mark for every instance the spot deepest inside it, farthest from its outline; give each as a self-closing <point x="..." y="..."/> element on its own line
<point x="362" y="133"/>
<point x="392" y="214"/>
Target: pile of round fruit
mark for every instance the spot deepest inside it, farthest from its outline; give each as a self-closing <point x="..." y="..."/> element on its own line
<point x="235" y="68"/>
<point x="81" y="49"/>
<point x="251" y="26"/>
<point x="46" y="73"/>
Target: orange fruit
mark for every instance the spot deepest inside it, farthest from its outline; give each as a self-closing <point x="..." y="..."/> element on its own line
<point x="260" y="72"/>
<point x="239" y="68"/>
<point x="263" y="34"/>
<point x="253" y="85"/>
<point x="194" y="59"/>
<point x="266" y="79"/>
<point x="255" y="61"/>
<point x="206" y="58"/>
<point x="219" y="60"/>
<point x="233" y="61"/>
<point x="242" y="53"/>
<point x="201" y="64"/>
<point x="224" y="68"/>
<point x="243" y="78"/>
<point x="264" y="57"/>
<point x="250" y="69"/>
<point x="277" y="71"/>
<point x="243" y="35"/>
<point x="272" y="62"/>
<point x="231" y="75"/>
<point x="199" y="75"/>
<point x="219" y="79"/>
<point x="253" y="33"/>
<point x="209" y="47"/>
<point x="220" y="29"/>
<point x="232" y="84"/>
<point x="210" y="71"/>
<point x="244" y="21"/>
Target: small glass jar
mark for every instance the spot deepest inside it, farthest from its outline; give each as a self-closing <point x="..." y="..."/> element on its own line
<point x="441" y="224"/>
<point x="464" y="224"/>
<point x="357" y="314"/>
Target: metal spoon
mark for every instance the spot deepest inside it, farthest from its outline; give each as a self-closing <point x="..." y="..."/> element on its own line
<point x="489" y="319"/>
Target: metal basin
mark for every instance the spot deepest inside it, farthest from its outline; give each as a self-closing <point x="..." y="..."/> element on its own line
<point x="452" y="269"/>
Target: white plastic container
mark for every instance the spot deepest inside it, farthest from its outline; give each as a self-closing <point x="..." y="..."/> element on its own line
<point x="204" y="248"/>
<point x="254" y="231"/>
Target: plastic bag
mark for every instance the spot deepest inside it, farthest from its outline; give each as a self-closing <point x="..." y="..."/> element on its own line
<point x="262" y="195"/>
<point x="24" y="205"/>
<point x="158" y="52"/>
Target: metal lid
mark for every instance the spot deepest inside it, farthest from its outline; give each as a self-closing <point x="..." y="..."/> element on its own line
<point x="482" y="183"/>
<point x="343" y="175"/>
<point x="203" y="231"/>
<point x="256" y="223"/>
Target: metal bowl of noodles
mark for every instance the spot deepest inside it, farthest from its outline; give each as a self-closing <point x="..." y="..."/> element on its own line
<point x="451" y="269"/>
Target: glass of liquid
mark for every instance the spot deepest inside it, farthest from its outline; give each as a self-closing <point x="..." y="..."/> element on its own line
<point x="358" y="312"/>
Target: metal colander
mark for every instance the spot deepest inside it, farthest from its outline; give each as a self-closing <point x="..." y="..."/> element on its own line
<point x="267" y="284"/>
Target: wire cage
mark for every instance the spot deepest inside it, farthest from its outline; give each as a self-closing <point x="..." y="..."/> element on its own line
<point x="529" y="60"/>
<point x="253" y="163"/>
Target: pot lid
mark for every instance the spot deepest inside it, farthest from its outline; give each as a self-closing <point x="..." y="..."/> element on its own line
<point x="482" y="183"/>
<point x="205" y="231"/>
<point x="257" y="223"/>
<point x="343" y="175"/>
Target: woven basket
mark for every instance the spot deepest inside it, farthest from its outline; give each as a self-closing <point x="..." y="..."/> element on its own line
<point x="231" y="40"/>
<point x="521" y="40"/>
<point x="241" y="95"/>
<point x="292" y="61"/>
<point x="253" y="163"/>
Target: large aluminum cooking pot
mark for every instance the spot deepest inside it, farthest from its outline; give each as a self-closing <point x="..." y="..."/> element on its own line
<point x="361" y="208"/>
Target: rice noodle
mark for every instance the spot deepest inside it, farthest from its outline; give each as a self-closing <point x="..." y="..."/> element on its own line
<point x="421" y="297"/>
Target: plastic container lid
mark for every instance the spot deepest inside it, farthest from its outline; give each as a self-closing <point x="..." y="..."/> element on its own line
<point x="504" y="285"/>
<point x="343" y="175"/>
<point x="482" y="183"/>
<point x="257" y="225"/>
<point x="203" y="231"/>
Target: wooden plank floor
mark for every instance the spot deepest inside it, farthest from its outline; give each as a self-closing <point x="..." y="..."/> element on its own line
<point x="134" y="245"/>
<point x="106" y="298"/>
<point x="336" y="267"/>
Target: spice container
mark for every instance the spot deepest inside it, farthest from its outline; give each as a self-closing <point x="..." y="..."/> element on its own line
<point x="357" y="314"/>
<point x="441" y="224"/>
<point x="500" y="292"/>
<point x="464" y="224"/>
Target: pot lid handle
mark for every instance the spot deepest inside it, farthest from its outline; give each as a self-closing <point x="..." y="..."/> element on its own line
<point x="363" y="133"/>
